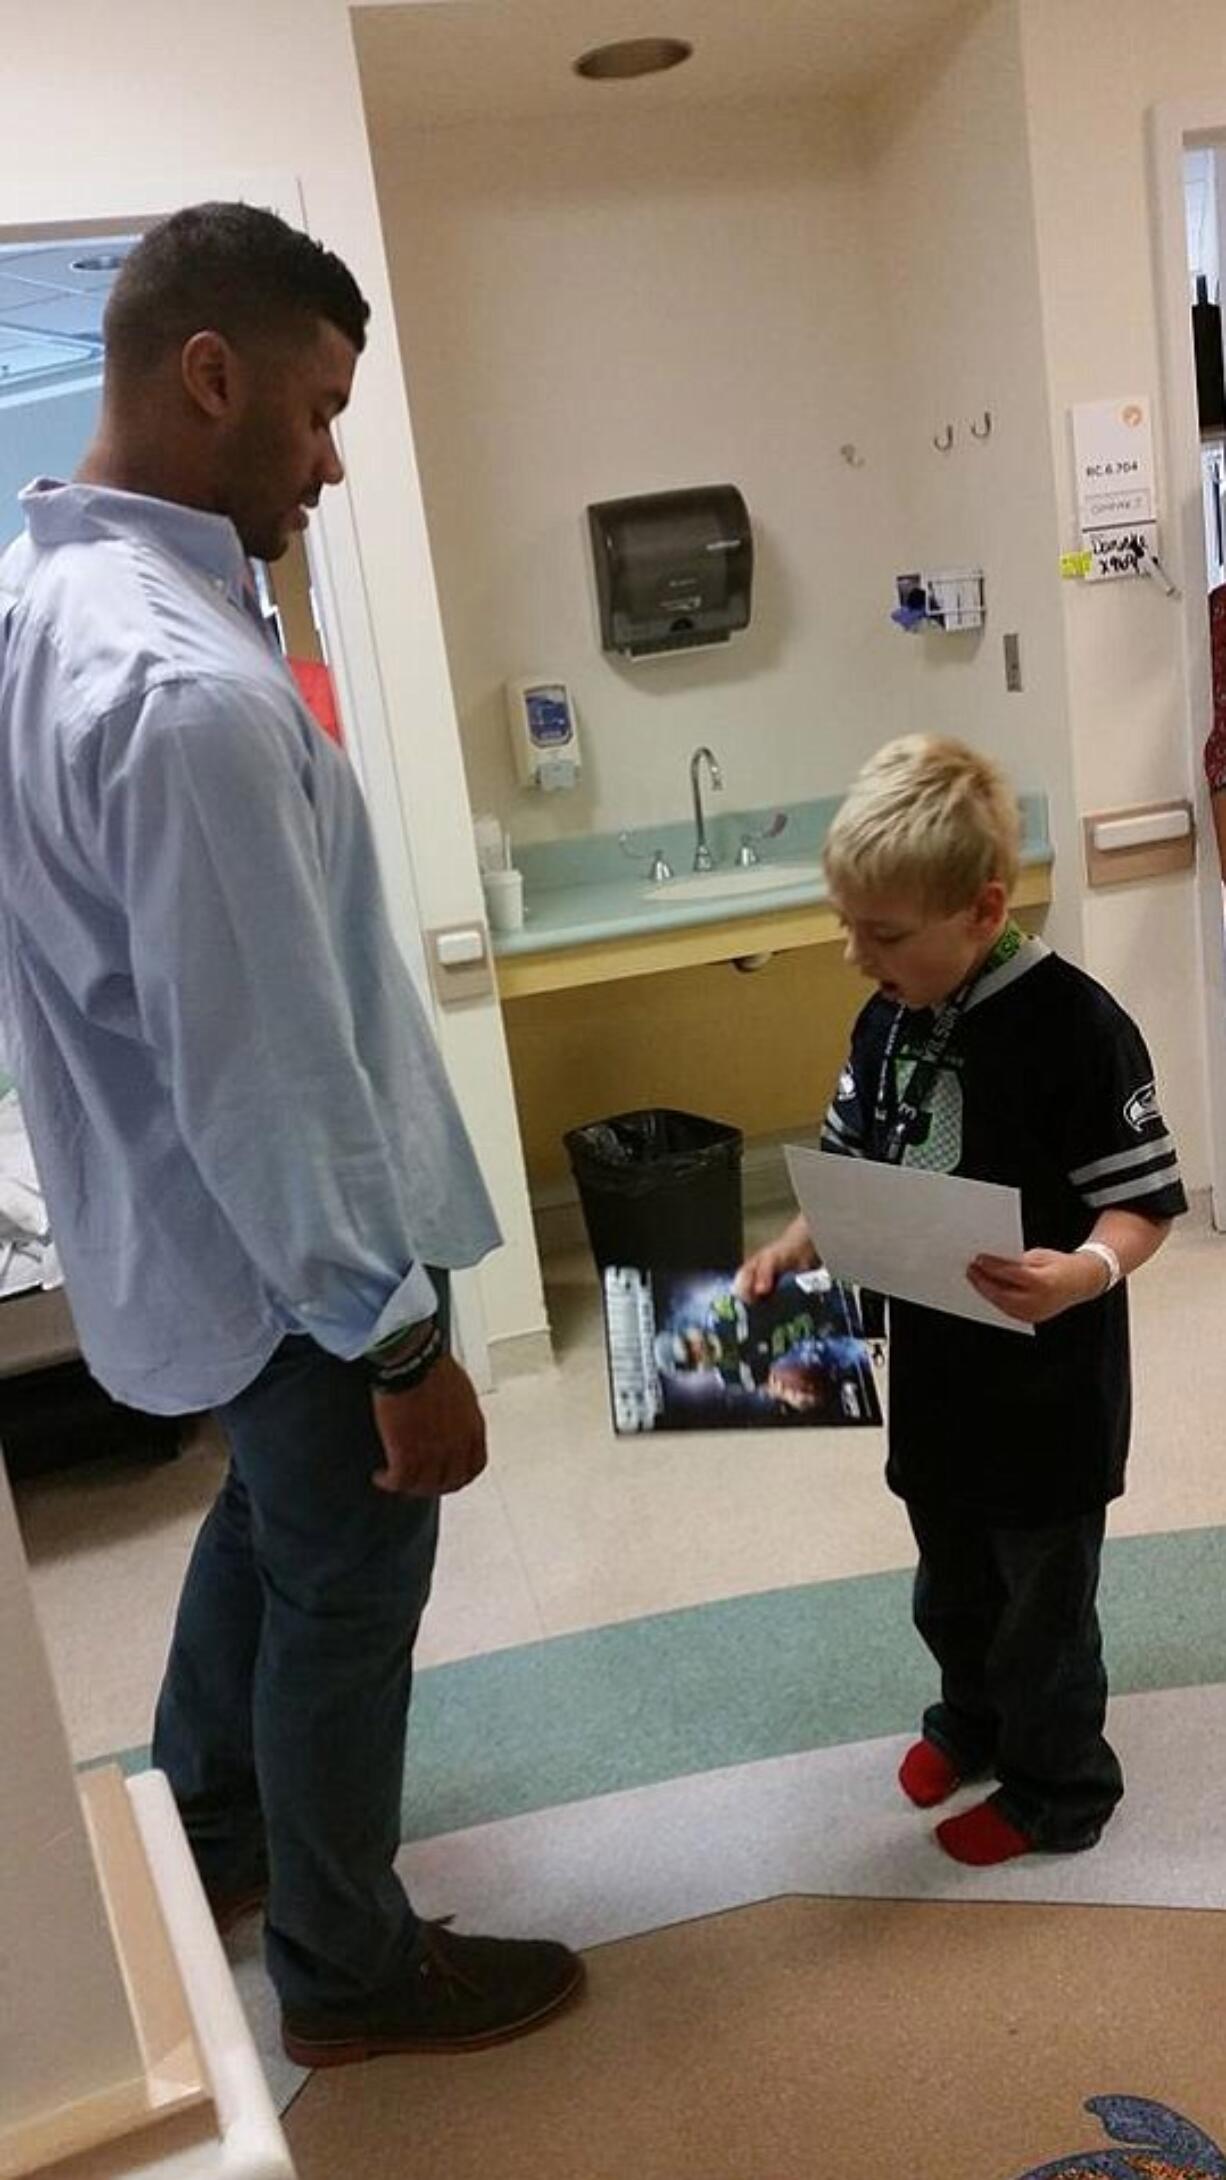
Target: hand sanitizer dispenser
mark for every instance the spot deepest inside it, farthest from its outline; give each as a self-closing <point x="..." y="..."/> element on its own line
<point x="544" y="733"/>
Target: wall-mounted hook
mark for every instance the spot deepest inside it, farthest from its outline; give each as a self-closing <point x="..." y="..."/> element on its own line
<point x="943" y="441"/>
<point x="983" y="429"/>
<point x="851" y="455"/>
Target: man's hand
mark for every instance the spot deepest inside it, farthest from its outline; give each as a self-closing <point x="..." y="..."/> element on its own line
<point x="433" y="1435"/>
<point x="1039" y="1284"/>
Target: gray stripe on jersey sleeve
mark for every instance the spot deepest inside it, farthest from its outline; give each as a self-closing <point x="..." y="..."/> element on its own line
<point x="1128" y="1191"/>
<point x="838" y="1125"/>
<point x="836" y="1134"/>
<point x="1120" y="1161"/>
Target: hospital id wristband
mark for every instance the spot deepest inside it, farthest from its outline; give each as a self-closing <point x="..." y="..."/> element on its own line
<point x="1106" y="1255"/>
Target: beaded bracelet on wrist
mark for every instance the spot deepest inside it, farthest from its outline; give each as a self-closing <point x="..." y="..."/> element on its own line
<point x="401" y="1377"/>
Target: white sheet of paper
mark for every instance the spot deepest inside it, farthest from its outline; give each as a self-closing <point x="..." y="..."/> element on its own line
<point x="907" y="1232"/>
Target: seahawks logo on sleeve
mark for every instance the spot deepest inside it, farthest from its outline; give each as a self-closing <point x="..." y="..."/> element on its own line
<point x="1142" y="1107"/>
<point x="1143" y="1164"/>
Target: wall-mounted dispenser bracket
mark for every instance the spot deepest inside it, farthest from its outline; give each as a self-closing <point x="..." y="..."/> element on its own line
<point x="949" y="599"/>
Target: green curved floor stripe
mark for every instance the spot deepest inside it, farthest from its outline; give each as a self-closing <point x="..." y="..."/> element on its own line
<point x="749" y="1678"/>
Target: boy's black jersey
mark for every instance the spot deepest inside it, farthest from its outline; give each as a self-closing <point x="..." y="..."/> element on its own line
<point x="1045" y="1085"/>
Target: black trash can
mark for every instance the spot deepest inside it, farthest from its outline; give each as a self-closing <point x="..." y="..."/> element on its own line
<point x="660" y="1190"/>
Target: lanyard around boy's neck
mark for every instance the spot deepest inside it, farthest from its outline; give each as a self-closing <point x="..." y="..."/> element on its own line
<point x="891" y="1135"/>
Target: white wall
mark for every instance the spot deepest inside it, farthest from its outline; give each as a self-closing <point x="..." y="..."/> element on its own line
<point x="120" y="112"/>
<point x="593" y="311"/>
<point x="586" y="314"/>
<point x="1092" y="72"/>
<point x="959" y="326"/>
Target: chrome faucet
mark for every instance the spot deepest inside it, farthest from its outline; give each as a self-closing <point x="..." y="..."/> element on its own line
<point x="703" y="858"/>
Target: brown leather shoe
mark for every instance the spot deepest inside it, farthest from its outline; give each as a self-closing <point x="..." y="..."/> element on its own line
<point x="460" y="1994"/>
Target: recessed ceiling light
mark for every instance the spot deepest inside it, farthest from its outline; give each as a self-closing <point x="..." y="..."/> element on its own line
<point x="632" y="57"/>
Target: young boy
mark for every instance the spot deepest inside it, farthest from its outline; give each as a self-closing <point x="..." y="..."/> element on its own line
<point x="982" y="1053"/>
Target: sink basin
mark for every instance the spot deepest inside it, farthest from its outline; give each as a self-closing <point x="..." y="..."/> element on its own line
<point x="732" y="884"/>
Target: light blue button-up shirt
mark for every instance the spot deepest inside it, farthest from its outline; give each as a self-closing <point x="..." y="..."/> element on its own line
<point x="235" y="1101"/>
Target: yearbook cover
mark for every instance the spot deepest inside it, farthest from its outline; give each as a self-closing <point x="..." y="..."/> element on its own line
<point x="686" y="1353"/>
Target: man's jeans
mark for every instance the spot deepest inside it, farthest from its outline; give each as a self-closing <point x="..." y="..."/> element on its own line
<point x="1010" y="1617"/>
<point x="281" y="1722"/>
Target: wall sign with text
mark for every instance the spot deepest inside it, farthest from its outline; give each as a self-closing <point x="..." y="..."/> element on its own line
<point x="1117" y="513"/>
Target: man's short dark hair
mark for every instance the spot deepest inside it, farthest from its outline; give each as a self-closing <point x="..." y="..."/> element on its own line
<point x="232" y="269"/>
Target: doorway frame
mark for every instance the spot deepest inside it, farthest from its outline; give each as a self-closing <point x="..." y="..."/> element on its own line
<point x="1174" y="128"/>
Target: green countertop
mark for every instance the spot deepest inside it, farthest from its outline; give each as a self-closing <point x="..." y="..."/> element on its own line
<point x="585" y="889"/>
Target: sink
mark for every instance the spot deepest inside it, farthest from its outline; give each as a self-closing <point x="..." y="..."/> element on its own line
<point x="732" y="884"/>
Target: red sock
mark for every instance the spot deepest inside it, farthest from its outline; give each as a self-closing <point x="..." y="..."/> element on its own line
<point x="927" y="1775"/>
<point x="982" y="1836"/>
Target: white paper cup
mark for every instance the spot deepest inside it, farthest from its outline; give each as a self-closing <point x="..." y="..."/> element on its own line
<point x="504" y="899"/>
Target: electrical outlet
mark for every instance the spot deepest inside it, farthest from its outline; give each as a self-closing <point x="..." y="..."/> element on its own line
<point x="1013" y="664"/>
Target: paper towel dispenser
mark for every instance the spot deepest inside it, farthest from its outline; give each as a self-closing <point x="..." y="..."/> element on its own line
<point x="674" y="570"/>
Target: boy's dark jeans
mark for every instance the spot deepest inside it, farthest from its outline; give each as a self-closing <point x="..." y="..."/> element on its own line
<point x="1009" y="1615"/>
<point x="281" y="1722"/>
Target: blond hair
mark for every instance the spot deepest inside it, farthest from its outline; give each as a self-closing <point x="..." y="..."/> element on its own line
<point x="928" y="817"/>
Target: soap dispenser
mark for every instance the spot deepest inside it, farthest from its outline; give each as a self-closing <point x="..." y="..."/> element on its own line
<point x="544" y="733"/>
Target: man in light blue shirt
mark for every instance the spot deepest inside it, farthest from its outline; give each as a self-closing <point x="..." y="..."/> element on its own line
<point x="256" y="1173"/>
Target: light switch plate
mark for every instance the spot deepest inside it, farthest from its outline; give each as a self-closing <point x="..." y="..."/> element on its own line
<point x="1134" y="859"/>
<point x="456" y="981"/>
<point x="461" y="949"/>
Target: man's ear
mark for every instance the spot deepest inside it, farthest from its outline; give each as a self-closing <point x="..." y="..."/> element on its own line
<point x="210" y="372"/>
